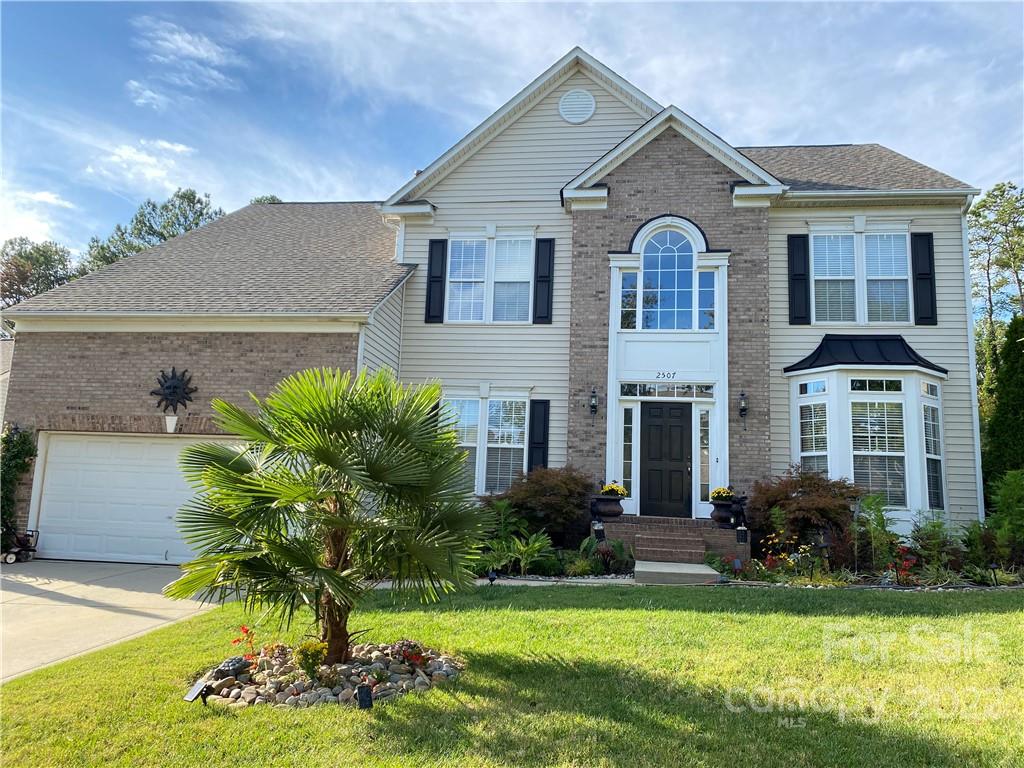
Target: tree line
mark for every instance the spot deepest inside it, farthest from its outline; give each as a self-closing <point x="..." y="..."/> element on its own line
<point x="29" y="268"/>
<point x="996" y="234"/>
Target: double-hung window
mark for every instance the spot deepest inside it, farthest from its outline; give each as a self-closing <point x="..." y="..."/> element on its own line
<point x="814" y="437"/>
<point x="879" y="449"/>
<point x="932" y="446"/>
<point x="861" y="277"/>
<point x="886" y="272"/>
<point x="501" y="444"/>
<point x="490" y="279"/>
<point x="835" y="278"/>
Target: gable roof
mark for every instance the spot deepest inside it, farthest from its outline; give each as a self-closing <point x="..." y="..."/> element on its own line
<point x="575" y="60"/>
<point x="858" y="351"/>
<point x="833" y="167"/>
<point x="674" y="118"/>
<point x="272" y="259"/>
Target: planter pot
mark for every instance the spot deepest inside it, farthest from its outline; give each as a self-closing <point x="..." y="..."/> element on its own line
<point x="722" y="513"/>
<point x="606" y="506"/>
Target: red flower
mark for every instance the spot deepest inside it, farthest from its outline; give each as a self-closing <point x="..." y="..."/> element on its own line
<point x="236" y="641"/>
<point x="244" y="629"/>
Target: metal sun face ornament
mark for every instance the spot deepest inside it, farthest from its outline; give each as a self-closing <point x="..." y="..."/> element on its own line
<point x="173" y="389"/>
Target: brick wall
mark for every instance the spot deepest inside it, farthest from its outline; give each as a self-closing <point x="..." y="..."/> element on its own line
<point x="672" y="176"/>
<point x="100" y="382"/>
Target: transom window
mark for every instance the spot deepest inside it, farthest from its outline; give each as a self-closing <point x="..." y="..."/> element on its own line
<point x="682" y="391"/>
<point x="861" y="277"/>
<point x="489" y="279"/>
<point x="668" y="293"/>
<point x="816" y="387"/>
<point x="876" y="385"/>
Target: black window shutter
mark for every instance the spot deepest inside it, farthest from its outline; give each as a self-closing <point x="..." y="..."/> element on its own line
<point x="537" y="456"/>
<point x="799" y="280"/>
<point x="543" y="278"/>
<point x="436" y="267"/>
<point x="922" y="257"/>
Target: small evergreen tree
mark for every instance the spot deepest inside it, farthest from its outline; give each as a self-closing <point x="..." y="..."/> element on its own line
<point x="1004" y="449"/>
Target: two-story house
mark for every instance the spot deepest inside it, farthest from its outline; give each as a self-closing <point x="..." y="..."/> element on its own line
<point x="595" y="279"/>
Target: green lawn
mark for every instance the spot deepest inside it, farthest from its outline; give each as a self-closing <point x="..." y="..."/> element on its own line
<point x="581" y="676"/>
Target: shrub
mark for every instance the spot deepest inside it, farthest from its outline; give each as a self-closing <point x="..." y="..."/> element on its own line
<point x="807" y="502"/>
<point x="580" y="566"/>
<point x="549" y="565"/>
<point x="309" y="656"/>
<point x="934" y="543"/>
<point x="526" y="552"/>
<point x="875" y="538"/>
<point x="554" y="500"/>
<point x="16" y="452"/>
<point x="1007" y="520"/>
<point x="1004" y="431"/>
<point x="606" y="556"/>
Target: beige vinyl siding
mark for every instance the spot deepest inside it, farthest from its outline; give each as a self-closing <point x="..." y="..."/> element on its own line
<point x="945" y="344"/>
<point x="382" y="335"/>
<point x="534" y="157"/>
<point x="512" y="182"/>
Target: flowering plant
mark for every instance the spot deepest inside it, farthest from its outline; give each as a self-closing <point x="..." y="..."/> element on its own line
<point x="614" y="489"/>
<point x="722" y="494"/>
<point x="248" y="638"/>
<point x="409" y="652"/>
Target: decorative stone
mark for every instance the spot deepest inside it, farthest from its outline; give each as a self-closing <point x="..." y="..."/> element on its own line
<point x="346" y="695"/>
<point x="422" y="684"/>
<point x="282" y="697"/>
<point x="238" y="704"/>
<point x="244" y="678"/>
<point x="439" y="677"/>
<point x="236" y="693"/>
<point x="291" y="701"/>
<point x="223" y="683"/>
<point x="232" y="667"/>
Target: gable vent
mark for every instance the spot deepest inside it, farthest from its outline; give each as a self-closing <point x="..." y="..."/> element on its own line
<point x="577" y="106"/>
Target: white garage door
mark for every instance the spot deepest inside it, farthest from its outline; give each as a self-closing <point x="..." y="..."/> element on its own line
<point x="113" y="498"/>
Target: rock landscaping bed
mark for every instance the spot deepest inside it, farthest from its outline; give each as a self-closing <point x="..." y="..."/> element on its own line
<point x="273" y="678"/>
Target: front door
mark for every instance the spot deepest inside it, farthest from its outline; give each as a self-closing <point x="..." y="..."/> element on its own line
<point x="665" y="452"/>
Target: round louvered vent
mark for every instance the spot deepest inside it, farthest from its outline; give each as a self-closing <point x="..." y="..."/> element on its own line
<point x="577" y="106"/>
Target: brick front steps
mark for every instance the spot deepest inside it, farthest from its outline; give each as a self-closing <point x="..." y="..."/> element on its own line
<point x="674" y="539"/>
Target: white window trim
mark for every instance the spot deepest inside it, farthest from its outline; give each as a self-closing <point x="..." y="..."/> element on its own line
<point x="482" y="443"/>
<point x="860" y="277"/>
<point x="884" y="397"/>
<point x="491" y="235"/>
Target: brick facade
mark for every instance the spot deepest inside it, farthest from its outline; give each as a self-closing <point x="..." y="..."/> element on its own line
<point x="671" y="175"/>
<point x="101" y="382"/>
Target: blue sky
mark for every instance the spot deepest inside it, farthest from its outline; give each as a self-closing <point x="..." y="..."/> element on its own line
<point x="106" y="104"/>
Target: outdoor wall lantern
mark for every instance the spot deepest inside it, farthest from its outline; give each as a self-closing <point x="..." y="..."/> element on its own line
<point x="744" y="407"/>
<point x="593" y="401"/>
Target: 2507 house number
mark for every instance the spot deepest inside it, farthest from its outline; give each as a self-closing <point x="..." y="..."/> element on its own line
<point x="665" y="375"/>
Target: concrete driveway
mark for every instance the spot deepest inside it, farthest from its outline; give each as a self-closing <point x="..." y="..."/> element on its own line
<point x="53" y="610"/>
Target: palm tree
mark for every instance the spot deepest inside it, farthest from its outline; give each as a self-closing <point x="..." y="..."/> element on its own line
<point x="338" y="483"/>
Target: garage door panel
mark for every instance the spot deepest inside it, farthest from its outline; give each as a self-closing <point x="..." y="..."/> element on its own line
<point x="113" y="498"/>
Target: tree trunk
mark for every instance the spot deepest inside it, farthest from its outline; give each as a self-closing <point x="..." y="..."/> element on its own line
<point x="335" y="631"/>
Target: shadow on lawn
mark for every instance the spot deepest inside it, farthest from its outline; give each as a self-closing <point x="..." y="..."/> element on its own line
<point x="766" y="600"/>
<point x="511" y="711"/>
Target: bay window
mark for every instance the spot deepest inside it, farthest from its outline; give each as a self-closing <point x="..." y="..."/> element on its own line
<point x="490" y="279"/>
<point x="933" y="454"/>
<point x="814" y="437"/>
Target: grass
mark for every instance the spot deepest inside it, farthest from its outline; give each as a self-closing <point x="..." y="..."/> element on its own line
<point x="580" y="676"/>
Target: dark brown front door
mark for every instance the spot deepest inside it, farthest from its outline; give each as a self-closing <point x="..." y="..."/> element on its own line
<point x="665" y="460"/>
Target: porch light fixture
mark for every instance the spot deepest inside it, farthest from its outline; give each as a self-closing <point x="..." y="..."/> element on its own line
<point x="744" y="407"/>
<point x="593" y="401"/>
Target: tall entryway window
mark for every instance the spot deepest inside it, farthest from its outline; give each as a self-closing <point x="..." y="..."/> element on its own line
<point x="666" y="459"/>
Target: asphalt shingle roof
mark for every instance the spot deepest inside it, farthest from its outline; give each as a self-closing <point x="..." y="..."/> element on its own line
<point x="331" y="258"/>
<point x="848" y="166"/>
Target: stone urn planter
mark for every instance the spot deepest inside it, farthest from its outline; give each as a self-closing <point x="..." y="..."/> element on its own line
<point x="606" y="505"/>
<point x="722" y="513"/>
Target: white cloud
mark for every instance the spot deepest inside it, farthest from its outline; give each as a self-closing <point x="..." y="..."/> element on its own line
<point x="144" y="165"/>
<point x="30" y="213"/>
<point x="144" y="96"/>
<point x="183" y="59"/>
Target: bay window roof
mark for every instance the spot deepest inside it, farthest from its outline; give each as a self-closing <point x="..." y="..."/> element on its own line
<point x="857" y="351"/>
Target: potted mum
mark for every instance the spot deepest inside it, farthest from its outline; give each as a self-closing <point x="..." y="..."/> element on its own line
<point x="722" y="500"/>
<point x="608" y="503"/>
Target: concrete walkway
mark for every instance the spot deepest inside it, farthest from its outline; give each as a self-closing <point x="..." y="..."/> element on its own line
<point x="51" y="610"/>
